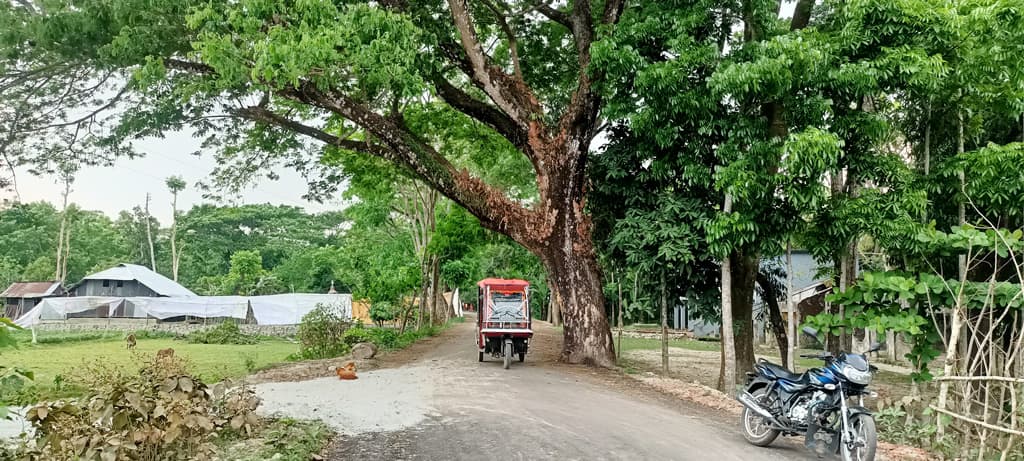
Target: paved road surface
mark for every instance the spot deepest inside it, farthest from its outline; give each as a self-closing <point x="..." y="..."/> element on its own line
<point x="543" y="410"/>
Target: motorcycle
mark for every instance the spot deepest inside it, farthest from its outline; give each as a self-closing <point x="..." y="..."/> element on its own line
<point x="814" y="404"/>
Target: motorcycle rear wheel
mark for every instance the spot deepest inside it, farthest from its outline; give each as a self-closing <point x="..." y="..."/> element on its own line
<point x="756" y="429"/>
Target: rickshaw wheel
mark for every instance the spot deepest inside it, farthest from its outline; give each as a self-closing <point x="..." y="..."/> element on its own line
<point x="507" y="353"/>
<point x="481" y="356"/>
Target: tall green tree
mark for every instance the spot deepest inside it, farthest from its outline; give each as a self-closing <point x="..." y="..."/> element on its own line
<point x="342" y="74"/>
<point x="277" y="232"/>
<point x="711" y="146"/>
<point x="247" y="276"/>
<point x="131" y="227"/>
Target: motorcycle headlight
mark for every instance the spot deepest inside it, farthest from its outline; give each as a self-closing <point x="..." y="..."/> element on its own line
<point x="856" y="376"/>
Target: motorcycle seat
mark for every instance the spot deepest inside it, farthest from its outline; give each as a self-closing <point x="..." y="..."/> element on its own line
<point x="781" y="372"/>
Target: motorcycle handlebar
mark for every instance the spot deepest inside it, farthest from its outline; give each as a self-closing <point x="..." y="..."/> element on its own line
<point x="821" y="356"/>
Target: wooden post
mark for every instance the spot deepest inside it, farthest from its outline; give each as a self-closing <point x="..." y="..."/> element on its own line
<point x="618" y="352"/>
<point x="727" y="380"/>
<point x="791" y="314"/>
<point x="664" y="326"/>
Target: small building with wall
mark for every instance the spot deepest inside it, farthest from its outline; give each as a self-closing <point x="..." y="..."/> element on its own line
<point x="361" y="312"/>
<point x="21" y="297"/>
<point x="129" y="280"/>
<point x="125" y="281"/>
<point x="806" y="284"/>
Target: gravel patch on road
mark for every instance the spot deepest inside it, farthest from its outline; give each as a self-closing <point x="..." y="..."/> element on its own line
<point x="379" y="401"/>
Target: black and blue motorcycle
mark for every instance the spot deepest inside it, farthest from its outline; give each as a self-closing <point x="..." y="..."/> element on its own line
<point x="815" y="404"/>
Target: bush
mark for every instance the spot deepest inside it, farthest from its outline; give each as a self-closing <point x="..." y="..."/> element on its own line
<point x="382" y="337"/>
<point x="15" y="388"/>
<point x="358" y="334"/>
<point x="381" y="312"/>
<point x="321" y="334"/>
<point x="159" y="413"/>
<point x="225" y="333"/>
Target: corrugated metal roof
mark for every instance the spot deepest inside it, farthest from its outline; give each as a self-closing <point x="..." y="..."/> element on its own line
<point x="161" y="285"/>
<point x="31" y="290"/>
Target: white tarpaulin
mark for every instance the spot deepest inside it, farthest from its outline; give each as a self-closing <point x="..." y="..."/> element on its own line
<point x="199" y="306"/>
<point x="288" y="309"/>
<point x="59" y="308"/>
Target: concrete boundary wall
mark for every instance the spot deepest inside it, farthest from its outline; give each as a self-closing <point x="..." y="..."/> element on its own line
<point x="94" y="325"/>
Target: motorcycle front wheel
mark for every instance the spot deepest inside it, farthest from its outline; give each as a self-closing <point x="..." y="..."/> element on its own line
<point x="865" y="440"/>
<point x="756" y="429"/>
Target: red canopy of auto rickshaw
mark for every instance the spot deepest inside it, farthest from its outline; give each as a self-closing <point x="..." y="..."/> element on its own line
<point x="503" y="284"/>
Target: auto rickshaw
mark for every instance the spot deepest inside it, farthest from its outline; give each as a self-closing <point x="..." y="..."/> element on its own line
<point x="503" y="319"/>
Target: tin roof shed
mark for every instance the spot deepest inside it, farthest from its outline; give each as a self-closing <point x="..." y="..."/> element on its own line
<point x="32" y="290"/>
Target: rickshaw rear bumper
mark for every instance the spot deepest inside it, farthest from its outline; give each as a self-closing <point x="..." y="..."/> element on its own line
<point x="502" y="332"/>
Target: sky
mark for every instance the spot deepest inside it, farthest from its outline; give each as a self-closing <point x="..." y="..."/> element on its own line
<point x="126" y="183"/>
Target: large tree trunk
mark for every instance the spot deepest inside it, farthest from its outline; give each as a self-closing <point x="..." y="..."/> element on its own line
<point x="771" y="299"/>
<point x="744" y="270"/>
<point x="421" y="316"/>
<point x="576" y="289"/>
<point x="559" y="232"/>
<point x="431" y="301"/>
<point x="441" y="307"/>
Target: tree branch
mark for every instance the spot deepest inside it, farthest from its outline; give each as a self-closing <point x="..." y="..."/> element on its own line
<point x="580" y="118"/>
<point x="188" y="66"/>
<point x="583" y="30"/>
<point x="771" y="298"/>
<point x="612" y="11"/>
<point x="512" y="46"/>
<point x="263" y="115"/>
<point x="114" y="100"/>
<point x="801" y="14"/>
<point x="555" y="15"/>
<point x="483" y="112"/>
<point x="28" y="5"/>
<point x="399" y="145"/>
<point x="511" y="96"/>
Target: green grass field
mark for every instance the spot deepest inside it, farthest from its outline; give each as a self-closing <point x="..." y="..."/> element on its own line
<point x="630" y="344"/>
<point x="900" y="382"/>
<point x="210" y="362"/>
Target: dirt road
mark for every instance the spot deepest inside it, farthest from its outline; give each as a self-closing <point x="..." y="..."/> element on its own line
<point x="437" y="402"/>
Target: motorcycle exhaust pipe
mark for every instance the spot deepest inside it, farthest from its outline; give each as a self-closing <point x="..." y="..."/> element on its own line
<point x="748" y="401"/>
